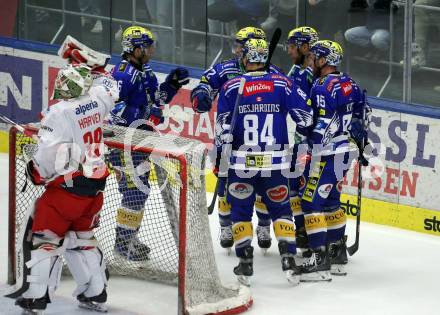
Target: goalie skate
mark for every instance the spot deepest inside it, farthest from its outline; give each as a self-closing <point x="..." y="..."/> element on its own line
<point x="95" y="303"/>
<point x="32" y="306"/>
<point x="93" y="306"/>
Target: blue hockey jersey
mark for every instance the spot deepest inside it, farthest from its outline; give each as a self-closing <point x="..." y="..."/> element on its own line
<point x="139" y="90"/>
<point x="260" y="124"/>
<point x="214" y="78"/>
<point x="302" y="77"/>
<point x="336" y="98"/>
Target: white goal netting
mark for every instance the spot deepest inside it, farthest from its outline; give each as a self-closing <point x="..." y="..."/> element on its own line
<point x="175" y="223"/>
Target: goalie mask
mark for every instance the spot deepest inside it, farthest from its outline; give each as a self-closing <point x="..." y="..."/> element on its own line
<point x="256" y="51"/>
<point x="331" y="51"/>
<point x="136" y="36"/>
<point x="72" y="81"/>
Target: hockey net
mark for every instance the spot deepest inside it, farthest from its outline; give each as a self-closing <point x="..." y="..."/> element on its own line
<point x="175" y="224"/>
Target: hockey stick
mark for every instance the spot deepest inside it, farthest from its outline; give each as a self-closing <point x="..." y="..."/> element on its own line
<point x="19" y="127"/>
<point x="362" y="161"/>
<point x="227" y="149"/>
<point x="272" y="46"/>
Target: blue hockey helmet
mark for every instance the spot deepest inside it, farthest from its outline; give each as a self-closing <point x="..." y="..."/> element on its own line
<point x="136" y="36"/>
<point x="330" y="50"/>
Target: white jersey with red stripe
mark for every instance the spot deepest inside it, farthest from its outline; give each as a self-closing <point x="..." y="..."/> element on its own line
<point x="71" y="133"/>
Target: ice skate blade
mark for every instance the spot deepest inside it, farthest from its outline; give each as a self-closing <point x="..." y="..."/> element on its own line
<point x="228" y="250"/>
<point x="316" y="276"/>
<point x="244" y="280"/>
<point x="32" y="312"/>
<point x="338" y="270"/>
<point x="292" y="278"/>
<point x="97" y="307"/>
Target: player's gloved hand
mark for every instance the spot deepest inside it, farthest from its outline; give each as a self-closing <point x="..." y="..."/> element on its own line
<point x="303" y="149"/>
<point x="178" y="77"/>
<point x="357" y="130"/>
<point x="115" y="117"/>
<point x="201" y="100"/>
<point x="156" y="115"/>
<point x="33" y="174"/>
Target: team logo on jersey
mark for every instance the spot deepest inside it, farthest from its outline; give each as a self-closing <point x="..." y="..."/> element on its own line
<point x="339" y="186"/>
<point x="259" y="99"/>
<point x="255" y="87"/>
<point x="347" y="88"/>
<point x="240" y="190"/>
<point x="324" y="190"/>
<point x="83" y="108"/>
<point x="278" y="193"/>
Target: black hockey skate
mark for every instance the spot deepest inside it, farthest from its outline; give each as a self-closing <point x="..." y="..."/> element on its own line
<point x="245" y="268"/>
<point x="316" y="267"/>
<point x="263" y="237"/>
<point x="132" y="249"/>
<point x="302" y="242"/>
<point x="94" y="303"/>
<point x="226" y="238"/>
<point x="33" y="306"/>
<point x="338" y="257"/>
<point x="288" y="264"/>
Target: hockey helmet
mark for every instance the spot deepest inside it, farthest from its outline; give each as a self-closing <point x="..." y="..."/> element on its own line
<point x="302" y="35"/>
<point x="256" y="50"/>
<point x="136" y="36"/>
<point x="330" y="50"/>
<point x="249" y="32"/>
<point x="72" y="81"/>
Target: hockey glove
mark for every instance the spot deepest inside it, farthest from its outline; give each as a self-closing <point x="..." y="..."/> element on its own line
<point x="33" y="174"/>
<point x="156" y="116"/>
<point x="178" y="77"/>
<point x="201" y="100"/>
<point x="76" y="52"/>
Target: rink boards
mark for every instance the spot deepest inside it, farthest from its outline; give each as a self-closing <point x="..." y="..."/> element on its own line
<point x="399" y="185"/>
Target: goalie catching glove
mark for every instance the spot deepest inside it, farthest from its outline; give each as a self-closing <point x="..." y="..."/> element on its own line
<point x="76" y="52"/>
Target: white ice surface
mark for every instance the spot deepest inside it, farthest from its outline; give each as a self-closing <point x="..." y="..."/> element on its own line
<point x="394" y="272"/>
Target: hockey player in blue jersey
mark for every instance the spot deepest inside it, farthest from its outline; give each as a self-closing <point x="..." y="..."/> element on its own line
<point x="339" y="105"/>
<point x="141" y="98"/>
<point x="298" y="44"/>
<point x="259" y="160"/>
<point x="202" y="97"/>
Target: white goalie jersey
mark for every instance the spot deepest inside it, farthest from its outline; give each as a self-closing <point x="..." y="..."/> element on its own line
<point x="71" y="133"/>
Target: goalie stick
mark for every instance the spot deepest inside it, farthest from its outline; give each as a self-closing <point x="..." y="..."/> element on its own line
<point x="362" y="161"/>
<point x="272" y="46"/>
<point x="19" y="127"/>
